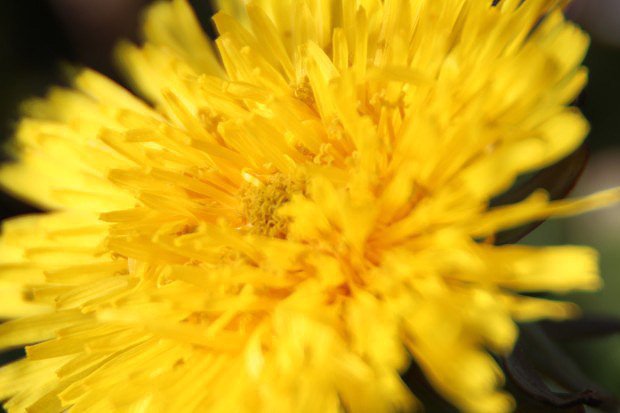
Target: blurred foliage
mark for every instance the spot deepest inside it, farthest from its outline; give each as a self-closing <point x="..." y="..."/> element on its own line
<point x="31" y="46"/>
<point x="601" y="99"/>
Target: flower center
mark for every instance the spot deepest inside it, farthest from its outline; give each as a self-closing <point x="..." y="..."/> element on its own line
<point x="261" y="202"/>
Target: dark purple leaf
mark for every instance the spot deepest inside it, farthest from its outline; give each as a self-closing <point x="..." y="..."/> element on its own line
<point x="415" y="379"/>
<point x="558" y="180"/>
<point x="536" y="359"/>
<point x="587" y="327"/>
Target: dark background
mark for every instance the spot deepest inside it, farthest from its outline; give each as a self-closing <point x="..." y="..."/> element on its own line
<point x="38" y="36"/>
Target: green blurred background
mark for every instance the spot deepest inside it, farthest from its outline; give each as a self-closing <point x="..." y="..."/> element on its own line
<point x="38" y="36"/>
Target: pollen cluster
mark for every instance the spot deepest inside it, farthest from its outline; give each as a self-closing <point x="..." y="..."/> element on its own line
<point x="262" y="201"/>
<point x="286" y="219"/>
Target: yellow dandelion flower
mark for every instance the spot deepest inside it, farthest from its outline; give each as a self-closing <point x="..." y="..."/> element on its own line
<point x="297" y="214"/>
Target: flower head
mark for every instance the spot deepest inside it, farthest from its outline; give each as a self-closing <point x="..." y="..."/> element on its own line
<point x="297" y="214"/>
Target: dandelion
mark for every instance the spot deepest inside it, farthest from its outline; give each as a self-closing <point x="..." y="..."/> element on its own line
<point x="289" y="219"/>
